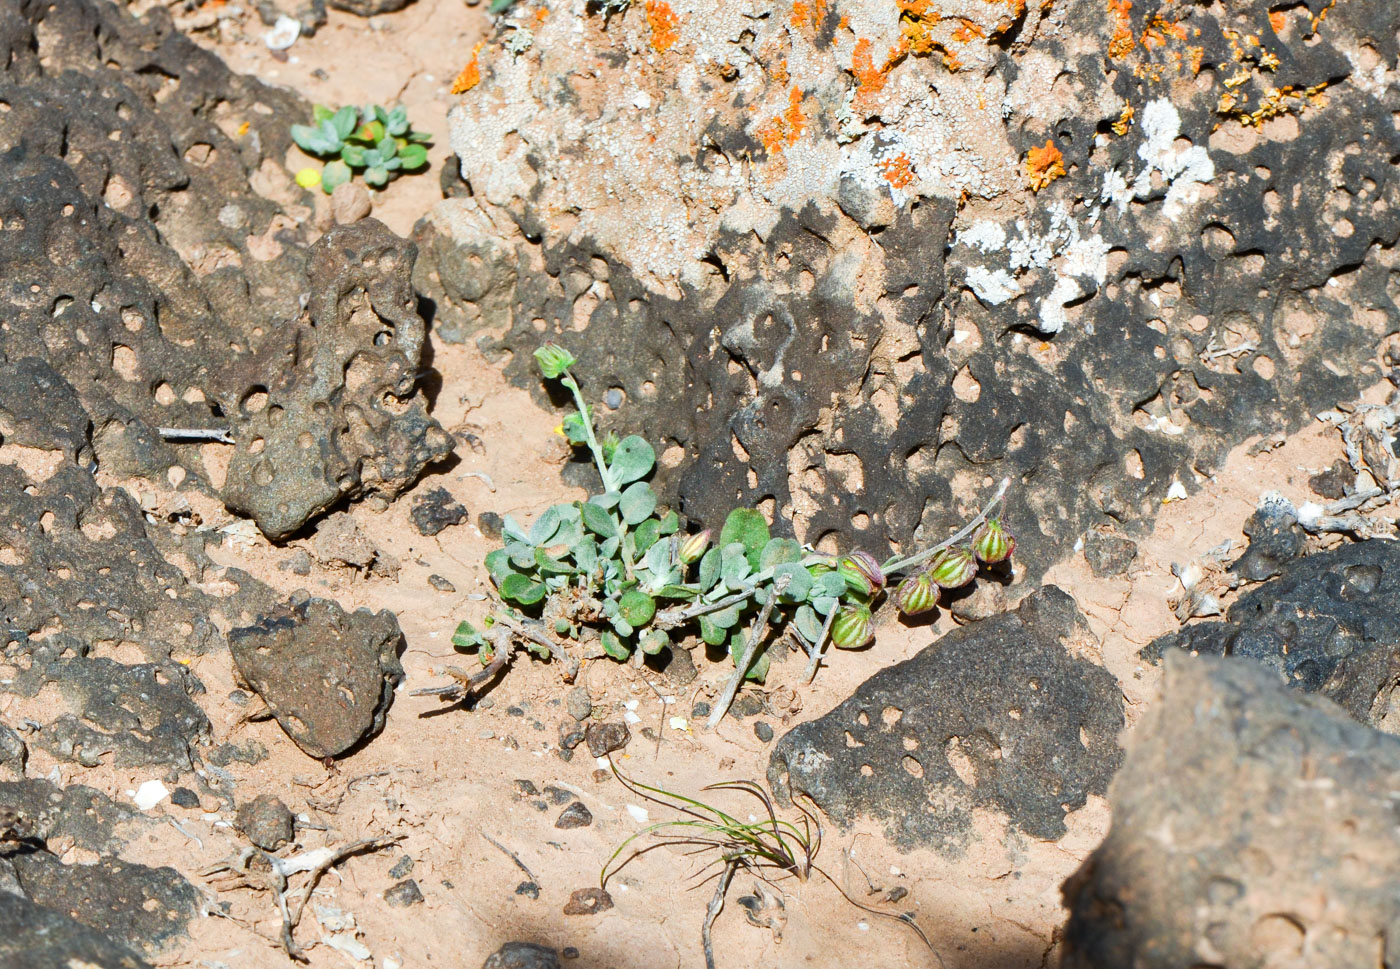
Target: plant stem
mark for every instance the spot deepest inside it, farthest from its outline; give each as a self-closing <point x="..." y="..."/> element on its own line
<point x="593" y="445"/>
<point x="671" y="618"/>
<point x="816" y="659"/>
<point x="750" y="648"/>
<point x="896" y="564"/>
<point x="712" y="912"/>
<point x="599" y="462"/>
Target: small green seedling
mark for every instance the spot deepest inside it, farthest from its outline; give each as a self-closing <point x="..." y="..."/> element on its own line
<point x="766" y="846"/>
<point x="617" y="574"/>
<point x="373" y="142"/>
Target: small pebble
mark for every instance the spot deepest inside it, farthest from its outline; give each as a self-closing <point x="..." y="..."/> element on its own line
<point x="528" y="889"/>
<point x="489" y="523"/>
<point x="526" y="788"/>
<point x="401" y="868"/>
<point x="600" y="775"/>
<point x="487" y="734"/>
<point x="580" y="703"/>
<point x="588" y="901"/>
<point x="701" y="709"/>
<point x="557" y="795"/>
<point x="404" y="894"/>
<point x="763" y="732"/>
<point x="564" y="754"/>
<point x="515" y="711"/>
<point x="184" y="797"/>
<point x="569" y="952"/>
<point x="604" y="738"/>
<point x="441" y="584"/>
<point x="576" y="815"/>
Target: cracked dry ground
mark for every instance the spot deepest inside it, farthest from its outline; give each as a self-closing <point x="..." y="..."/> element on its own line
<point x="169" y="670"/>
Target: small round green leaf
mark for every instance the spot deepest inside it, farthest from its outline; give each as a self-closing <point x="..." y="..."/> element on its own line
<point x="636" y="607"/>
<point x="637" y="503"/>
<point x="521" y="589"/>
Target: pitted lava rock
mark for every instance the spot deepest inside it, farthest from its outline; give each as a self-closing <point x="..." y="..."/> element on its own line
<point x="328" y="676"/>
<point x="329" y="401"/>
<point x="997" y="715"/>
<point x="156" y="256"/>
<point x="1328" y="623"/>
<point x="145" y="908"/>
<point x="266" y="822"/>
<point x="858" y="327"/>
<point x="435" y="510"/>
<point x="35" y="935"/>
<point x="1252" y="827"/>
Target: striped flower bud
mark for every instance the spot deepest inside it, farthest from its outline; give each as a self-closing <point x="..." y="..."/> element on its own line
<point x="953" y="567"/>
<point x="916" y="594"/>
<point x="851" y="627"/>
<point x="694" y="547"/>
<point x="553" y="359"/>
<point x="862" y="573"/>
<point x="992" y="542"/>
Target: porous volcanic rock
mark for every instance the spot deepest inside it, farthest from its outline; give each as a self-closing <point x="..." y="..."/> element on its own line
<point x="1252" y="827"/>
<point x="145" y="908"/>
<point x="327" y="675"/>
<point x="157" y="256"/>
<point x="1004" y="714"/>
<point x="33" y="935"/>
<point x="830" y="259"/>
<point x="1328" y="624"/>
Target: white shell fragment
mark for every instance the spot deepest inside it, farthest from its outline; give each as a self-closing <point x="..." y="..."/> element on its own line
<point x="149" y="794"/>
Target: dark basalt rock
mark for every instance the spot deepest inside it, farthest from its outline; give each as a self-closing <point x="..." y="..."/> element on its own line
<point x="266" y="822"/>
<point x="1109" y="555"/>
<point x="33" y="935"/>
<point x="1240" y="805"/>
<point x="873" y="443"/>
<point x="999" y="715"/>
<point x="1275" y="539"/>
<point x="522" y="955"/>
<point x="144" y="908"/>
<point x="330" y="402"/>
<point x="1328" y="623"/>
<point x="368" y="8"/>
<point x="328" y="676"/>
<point x="435" y="510"/>
<point x="88" y="817"/>
<point x="156" y="256"/>
<point x="604" y="738"/>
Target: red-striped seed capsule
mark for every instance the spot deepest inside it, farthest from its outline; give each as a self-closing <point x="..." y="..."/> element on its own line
<point x="863" y="574"/>
<point x="992" y="542"/>
<point x="916" y="594"/>
<point x="851" y="627"/>
<point x="953" y="567"/>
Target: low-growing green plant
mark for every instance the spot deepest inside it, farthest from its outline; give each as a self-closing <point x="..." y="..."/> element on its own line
<point x="617" y="573"/>
<point x="376" y="143"/>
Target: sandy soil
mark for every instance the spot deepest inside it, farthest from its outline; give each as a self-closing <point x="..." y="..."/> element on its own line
<point x="445" y="781"/>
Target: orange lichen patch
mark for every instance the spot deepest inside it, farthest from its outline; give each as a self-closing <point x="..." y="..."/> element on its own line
<point x="665" y="25"/>
<point x="471" y="74"/>
<point x="542" y="14"/>
<point x="243" y="128"/>
<point x="897" y="170"/>
<point x="869" y="78"/>
<point x="1278" y="20"/>
<point x="780" y="72"/>
<point x="1160" y="30"/>
<point x="809" y="13"/>
<point x="1125" y="120"/>
<point x="1044" y="165"/>
<point x="786" y="128"/>
<point x="1197" y="55"/>
<point x="967" y="30"/>
<point x="1123" y="40"/>
<point x="916" y="21"/>
<point x="844" y="23"/>
<point x="1322" y="15"/>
